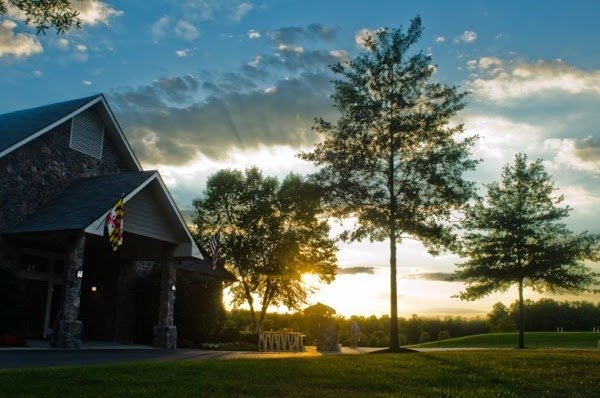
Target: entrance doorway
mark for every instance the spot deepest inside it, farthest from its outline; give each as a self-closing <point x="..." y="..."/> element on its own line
<point x="40" y="276"/>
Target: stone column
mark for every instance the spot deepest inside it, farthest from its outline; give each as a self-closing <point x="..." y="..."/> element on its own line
<point x="69" y="327"/>
<point x="165" y="333"/>
<point x="124" y="316"/>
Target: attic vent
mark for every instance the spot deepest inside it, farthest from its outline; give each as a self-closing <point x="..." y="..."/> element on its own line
<point x="87" y="133"/>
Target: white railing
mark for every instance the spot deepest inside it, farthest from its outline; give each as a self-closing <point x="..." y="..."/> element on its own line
<point x="281" y="341"/>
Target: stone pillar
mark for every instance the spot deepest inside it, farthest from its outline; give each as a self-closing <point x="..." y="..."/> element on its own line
<point x="327" y="339"/>
<point x="124" y="317"/>
<point x="69" y="327"/>
<point x="165" y="333"/>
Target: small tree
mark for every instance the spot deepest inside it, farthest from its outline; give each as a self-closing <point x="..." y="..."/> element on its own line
<point x="514" y="237"/>
<point x="44" y="14"/>
<point x="271" y="234"/>
<point x="444" y="335"/>
<point x="392" y="160"/>
<point x="500" y="319"/>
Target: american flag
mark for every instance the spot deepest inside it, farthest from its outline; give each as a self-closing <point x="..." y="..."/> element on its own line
<point x="214" y="249"/>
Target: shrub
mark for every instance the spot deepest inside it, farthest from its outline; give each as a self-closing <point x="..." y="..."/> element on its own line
<point x="425" y="338"/>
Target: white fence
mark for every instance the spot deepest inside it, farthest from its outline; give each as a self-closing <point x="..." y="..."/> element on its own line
<point x="281" y="341"/>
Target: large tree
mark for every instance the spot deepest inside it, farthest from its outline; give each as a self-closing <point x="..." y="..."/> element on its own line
<point x="514" y="237"/>
<point x="392" y="160"/>
<point x="271" y="233"/>
<point x="44" y="14"/>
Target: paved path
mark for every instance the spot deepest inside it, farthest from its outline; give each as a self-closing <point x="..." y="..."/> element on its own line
<point x="22" y="358"/>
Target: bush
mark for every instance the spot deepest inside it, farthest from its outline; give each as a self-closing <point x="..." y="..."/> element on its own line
<point x="425" y="338"/>
<point x="229" y="333"/>
<point x="377" y="339"/>
<point x="10" y="340"/>
<point x="444" y="335"/>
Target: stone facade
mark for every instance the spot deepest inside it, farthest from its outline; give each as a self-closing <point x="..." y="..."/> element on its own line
<point x="37" y="171"/>
<point x="327" y="339"/>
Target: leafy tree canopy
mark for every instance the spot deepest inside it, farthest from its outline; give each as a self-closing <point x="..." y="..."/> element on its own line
<point x="44" y="14"/>
<point x="393" y="160"/>
<point x="514" y="237"/>
<point x="271" y="234"/>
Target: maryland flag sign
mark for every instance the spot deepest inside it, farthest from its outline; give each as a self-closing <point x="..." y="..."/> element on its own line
<point x="114" y="224"/>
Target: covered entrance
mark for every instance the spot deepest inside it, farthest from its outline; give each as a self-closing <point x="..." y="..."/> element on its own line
<point x="77" y="287"/>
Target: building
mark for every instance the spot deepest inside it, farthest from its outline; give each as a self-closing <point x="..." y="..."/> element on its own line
<point x="62" y="169"/>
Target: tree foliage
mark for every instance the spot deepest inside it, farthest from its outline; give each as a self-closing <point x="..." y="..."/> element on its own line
<point x="392" y="160"/>
<point x="271" y="234"/>
<point x="515" y="237"/>
<point x="44" y="14"/>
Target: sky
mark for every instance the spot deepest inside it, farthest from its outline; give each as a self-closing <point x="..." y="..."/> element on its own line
<point x="203" y="85"/>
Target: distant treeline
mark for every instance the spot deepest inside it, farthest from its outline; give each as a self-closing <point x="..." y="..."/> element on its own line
<point x="546" y="315"/>
<point x="542" y="315"/>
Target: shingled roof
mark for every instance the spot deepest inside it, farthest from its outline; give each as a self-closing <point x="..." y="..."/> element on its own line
<point x="82" y="203"/>
<point x="204" y="267"/>
<point x="19" y="125"/>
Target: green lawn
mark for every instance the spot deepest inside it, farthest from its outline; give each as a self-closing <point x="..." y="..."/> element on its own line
<point x="507" y="373"/>
<point x="584" y="340"/>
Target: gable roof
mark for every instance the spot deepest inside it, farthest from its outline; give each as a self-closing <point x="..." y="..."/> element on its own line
<point x="19" y="127"/>
<point x="83" y="202"/>
<point x="204" y="267"/>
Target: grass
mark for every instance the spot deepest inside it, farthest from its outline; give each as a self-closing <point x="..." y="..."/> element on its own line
<point x="583" y="340"/>
<point x="508" y="373"/>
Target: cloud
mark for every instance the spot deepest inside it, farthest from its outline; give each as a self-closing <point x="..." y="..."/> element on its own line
<point x="62" y="43"/>
<point x="86" y="82"/>
<point x="254" y="34"/>
<point x="255" y="62"/>
<point x="518" y="80"/>
<point x="204" y="10"/>
<point x="468" y="36"/>
<point x="182" y="53"/>
<point x="484" y="64"/>
<point x="289" y="48"/>
<point x="17" y="45"/>
<point x="186" y="30"/>
<point x="501" y="137"/>
<point x="432" y="276"/>
<point x="356" y="270"/>
<point x="241" y="10"/>
<point x="172" y="131"/>
<point x="322" y="32"/>
<point x="158" y="28"/>
<point x="93" y="12"/>
<point x="296" y="58"/>
<point x="81" y="53"/>
<point x="361" y="36"/>
<point x="298" y="36"/>
<point x="440" y="39"/>
<point x="581" y="154"/>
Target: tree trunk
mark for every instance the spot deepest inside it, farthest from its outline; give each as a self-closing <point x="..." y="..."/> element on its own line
<point x="265" y="305"/>
<point x="394" y="344"/>
<point x="251" y="305"/>
<point x="521" y="316"/>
